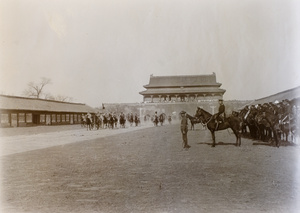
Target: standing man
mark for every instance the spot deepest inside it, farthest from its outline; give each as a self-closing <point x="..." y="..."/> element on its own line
<point x="184" y="129"/>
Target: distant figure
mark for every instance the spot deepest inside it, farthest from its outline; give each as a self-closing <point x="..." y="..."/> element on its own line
<point x="170" y="119"/>
<point x="155" y="119"/>
<point x="136" y="119"/>
<point x="184" y="129"/>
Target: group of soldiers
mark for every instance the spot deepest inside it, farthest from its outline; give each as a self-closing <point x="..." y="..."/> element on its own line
<point x="277" y="120"/>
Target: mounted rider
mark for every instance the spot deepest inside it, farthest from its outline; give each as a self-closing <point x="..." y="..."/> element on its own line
<point x="155" y="117"/>
<point x="220" y="116"/>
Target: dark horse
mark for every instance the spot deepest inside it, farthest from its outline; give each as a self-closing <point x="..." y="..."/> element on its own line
<point x="162" y="118"/>
<point x="122" y="121"/>
<point x="193" y="121"/>
<point x="89" y="123"/>
<point x="230" y="122"/>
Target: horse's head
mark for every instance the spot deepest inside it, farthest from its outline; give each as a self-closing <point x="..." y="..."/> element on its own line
<point x="199" y="113"/>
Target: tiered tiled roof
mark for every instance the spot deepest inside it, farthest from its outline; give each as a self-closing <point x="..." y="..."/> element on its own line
<point x="182" y="80"/>
<point x="182" y="84"/>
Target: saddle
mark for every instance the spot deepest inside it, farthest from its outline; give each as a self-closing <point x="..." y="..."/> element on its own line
<point x="219" y="119"/>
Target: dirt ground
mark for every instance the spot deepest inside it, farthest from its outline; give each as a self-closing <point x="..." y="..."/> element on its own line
<point x="145" y="170"/>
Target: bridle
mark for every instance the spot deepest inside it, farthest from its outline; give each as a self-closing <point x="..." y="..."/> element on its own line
<point x="200" y="116"/>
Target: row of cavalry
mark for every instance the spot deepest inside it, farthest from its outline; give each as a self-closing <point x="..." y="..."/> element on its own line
<point x="112" y="120"/>
<point x="108" y="120"/>
<point x="268" y="122"/>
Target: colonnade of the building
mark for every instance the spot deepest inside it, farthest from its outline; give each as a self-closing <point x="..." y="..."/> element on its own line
<point x="180" y="98"/>
<point x="16" y="119"/>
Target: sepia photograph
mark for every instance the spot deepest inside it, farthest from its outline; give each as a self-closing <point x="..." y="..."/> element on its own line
<point x="149" y="106"/>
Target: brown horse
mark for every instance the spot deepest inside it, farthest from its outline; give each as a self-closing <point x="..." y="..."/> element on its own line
<point x="209" y="120"/>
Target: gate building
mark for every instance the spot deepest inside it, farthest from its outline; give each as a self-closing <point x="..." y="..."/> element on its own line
<point x="183" y="88"/>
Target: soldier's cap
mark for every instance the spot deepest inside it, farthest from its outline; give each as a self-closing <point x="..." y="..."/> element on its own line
<point x="182" y="112"/>
<point x="220" y="99"/>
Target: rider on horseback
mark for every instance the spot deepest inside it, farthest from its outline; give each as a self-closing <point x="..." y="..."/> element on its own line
<point x="218" y="116"/>
<point x="155" y="118"/>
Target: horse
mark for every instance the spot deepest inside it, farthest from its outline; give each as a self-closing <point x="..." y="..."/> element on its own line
<point x="115" y="121"/>
<point x="136" y="120"/>
<point x="89" y="123"/>
<point x="210" y="121"/>
<point x="98" y="121"/>
<point x="243" y="115"/>
<point x="130" y="119"/>
<point x="122" y="121"/>
<point x="251" y="121"/>
<point x="193" y="121"/>
<point x="170" y="119"/>
<point x="105" y="121"/>
<point x="273" y="121"/>
<point x="111" y="121"/>
<point x="162" y="118"/>
<point x="155" y="120"/>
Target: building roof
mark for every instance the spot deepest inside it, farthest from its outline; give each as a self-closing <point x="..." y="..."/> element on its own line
<point x="290" y="94"/>
<point x="33" y="104"/>
<point x="184" y="90"/>
<point x="287" y="94"/>
<point x="182" y="80"/>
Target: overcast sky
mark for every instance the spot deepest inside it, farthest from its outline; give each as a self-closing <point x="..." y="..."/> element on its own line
<point x="104" y="51"/>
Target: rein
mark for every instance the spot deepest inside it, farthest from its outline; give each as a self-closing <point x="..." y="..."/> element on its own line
<point x="211" y="117"/>
<point x="205" y="123"/>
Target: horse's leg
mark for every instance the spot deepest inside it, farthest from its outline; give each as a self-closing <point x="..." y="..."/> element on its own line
<point x="237" y="135"/>
<point x="213" y="137"/>
<point x="275" y="137"/>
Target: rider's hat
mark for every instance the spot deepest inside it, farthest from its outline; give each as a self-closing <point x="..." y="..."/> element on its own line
<point x="220" y="99"/>
<point x="182" y="112"/>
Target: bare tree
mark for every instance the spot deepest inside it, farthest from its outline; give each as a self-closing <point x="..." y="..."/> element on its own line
<point x="49" y="96"/>
<point x="63" y="98"/>
<point x="36" y="89"/>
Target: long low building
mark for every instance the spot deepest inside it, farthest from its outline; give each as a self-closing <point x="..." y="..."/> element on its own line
<point x="20" y="111"/>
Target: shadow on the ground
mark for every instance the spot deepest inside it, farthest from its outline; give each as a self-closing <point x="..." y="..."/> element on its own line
<point x="218" y="144"/>
<point x="282" y="143"/>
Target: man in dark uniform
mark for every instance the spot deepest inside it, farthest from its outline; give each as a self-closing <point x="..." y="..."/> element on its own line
<point x="221" y="113"/>
<point x="184" y="129"/>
